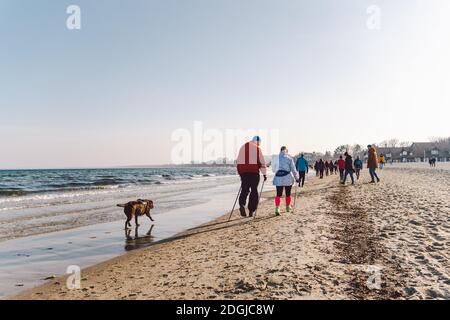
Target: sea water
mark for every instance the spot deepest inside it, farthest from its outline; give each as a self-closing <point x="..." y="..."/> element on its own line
<point x="54" y="219"/>
<point x="40" y="201"/>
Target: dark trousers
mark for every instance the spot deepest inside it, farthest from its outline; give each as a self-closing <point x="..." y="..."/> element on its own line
<point x="302" y="175"/>
<point x="280" y="191"/>
<point x="358" y="171"/>
<point x="321" y="173"/>
<point x="341" y="174"/>
<point x="249" y="184"/>
<point x="348" y="172"/>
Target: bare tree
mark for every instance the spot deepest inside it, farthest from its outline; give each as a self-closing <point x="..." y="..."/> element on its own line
<point x="393" y="143"/>
<point x="405" y="144"/>
<point x="384" y="144"/>
<point x="341" y="149"/>
<point x="440" y="140"/>
<point x="357" y="149"/>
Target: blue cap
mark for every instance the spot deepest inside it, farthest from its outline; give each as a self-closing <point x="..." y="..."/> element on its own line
<point x="256" y="139"/>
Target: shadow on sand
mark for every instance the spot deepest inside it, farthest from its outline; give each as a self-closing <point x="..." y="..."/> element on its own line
<point x="147" y="240"/>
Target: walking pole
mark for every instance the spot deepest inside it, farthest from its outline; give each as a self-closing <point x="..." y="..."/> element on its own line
<point x="234" y="206"/>
<point x="295" y="199"/>
<point x="259" y="199"/>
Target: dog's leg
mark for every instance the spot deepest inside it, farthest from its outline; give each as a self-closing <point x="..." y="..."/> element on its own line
<point x="136" y="220"/>
<point x="127" y="223"/>
<point x="149" y="233"/>
<point x="148" y="215"/>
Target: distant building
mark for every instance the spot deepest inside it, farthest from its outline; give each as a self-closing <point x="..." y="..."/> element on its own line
<point x="417" y="152"/>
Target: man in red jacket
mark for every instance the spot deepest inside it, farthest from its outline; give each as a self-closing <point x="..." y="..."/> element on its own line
<point x="250" y="162"/>
<point x="341" y="167"/>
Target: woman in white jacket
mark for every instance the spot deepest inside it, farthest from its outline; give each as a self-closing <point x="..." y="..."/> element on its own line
<point x="285" y="176"/>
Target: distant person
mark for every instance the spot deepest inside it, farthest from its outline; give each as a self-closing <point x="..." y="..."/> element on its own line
<point x="341" y="167"/>
<point x="335" y="167"/>
<point x="358" y="167"/>
<point x="327" y="168"/>
<point x="250" y="163"/>
<point x="285" y="176"/>
<point x="321" y="167"/>
<point x="433" y="162"/>
<point x="316" y="168"/>
<point x="382" y="161"/>
<point x="372" y="163"/>
<point x="303" y="168"/>
<point x="349" y="169"/>
<point x="331" y="166"/>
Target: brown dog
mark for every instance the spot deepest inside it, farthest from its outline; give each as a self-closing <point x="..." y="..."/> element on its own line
<point x="136" y="209"/>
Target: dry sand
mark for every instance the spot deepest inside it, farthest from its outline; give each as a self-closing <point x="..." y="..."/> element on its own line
<point x="384" y="241"/>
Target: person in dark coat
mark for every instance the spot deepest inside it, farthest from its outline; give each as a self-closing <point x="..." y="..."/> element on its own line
<point x="349" y="169"/>
<point x="316" y="168"/>
<point x="321" y="167"/>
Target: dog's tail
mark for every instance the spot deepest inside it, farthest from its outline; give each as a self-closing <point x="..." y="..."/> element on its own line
<point x="122" y="205"/>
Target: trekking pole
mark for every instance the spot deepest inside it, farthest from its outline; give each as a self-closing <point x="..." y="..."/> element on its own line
<point x="295" y="199"/>
<point x="234" y="206"/>
<point x="259" y="199"/>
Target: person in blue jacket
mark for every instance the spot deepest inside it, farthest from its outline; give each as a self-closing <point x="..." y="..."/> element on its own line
<point x="302" y="167"/>
<point x="358" y="167"/>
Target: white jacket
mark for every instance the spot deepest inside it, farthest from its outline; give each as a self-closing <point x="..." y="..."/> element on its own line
<point x="285" y="163"/>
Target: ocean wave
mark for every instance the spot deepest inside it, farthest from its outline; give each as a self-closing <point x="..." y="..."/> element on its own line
<point x="21" y="183"/>
<point x="13" y="192"/>
<point x="10" y="193"/>
<point x="55" y="195"/>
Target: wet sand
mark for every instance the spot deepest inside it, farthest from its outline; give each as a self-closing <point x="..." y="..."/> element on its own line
<point x="383" y="241"/>
<point x="25" y="262"/>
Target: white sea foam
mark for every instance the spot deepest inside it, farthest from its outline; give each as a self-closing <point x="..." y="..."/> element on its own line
<point x="43" y="212"/>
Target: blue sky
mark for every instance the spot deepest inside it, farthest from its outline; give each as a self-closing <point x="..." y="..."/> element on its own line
<point x="138" y="70"/>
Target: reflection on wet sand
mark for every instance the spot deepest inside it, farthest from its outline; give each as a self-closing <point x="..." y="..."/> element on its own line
<point x="136" y="241"/>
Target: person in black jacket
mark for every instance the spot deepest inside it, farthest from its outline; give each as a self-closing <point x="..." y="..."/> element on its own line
<point x="321" y="167"/>
<point x="316" y="168"/>
<point x="349" y="169"/>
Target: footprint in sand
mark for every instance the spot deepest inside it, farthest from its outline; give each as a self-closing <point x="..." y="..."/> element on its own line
<point x="438" y="237"/>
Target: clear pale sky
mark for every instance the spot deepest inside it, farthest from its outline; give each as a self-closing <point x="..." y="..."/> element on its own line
<point x="113" y="92"/>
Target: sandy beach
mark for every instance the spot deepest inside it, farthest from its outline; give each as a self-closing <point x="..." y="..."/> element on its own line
<point x="369" y="241"/>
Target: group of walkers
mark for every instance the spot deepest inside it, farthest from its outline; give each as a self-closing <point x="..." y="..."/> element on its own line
<point x="325" y="168"/>
<point x="348" y="167"/>
<point x="251" y="163"/>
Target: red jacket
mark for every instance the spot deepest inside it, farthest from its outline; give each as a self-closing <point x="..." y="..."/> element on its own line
<point x="251" y="159"/>
<point x="341" y="164"/>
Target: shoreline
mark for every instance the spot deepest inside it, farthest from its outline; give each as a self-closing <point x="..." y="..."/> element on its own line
<point x="54" y="200"/>
<point x="26" y="261"/>
<point x="343" y="242"/>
